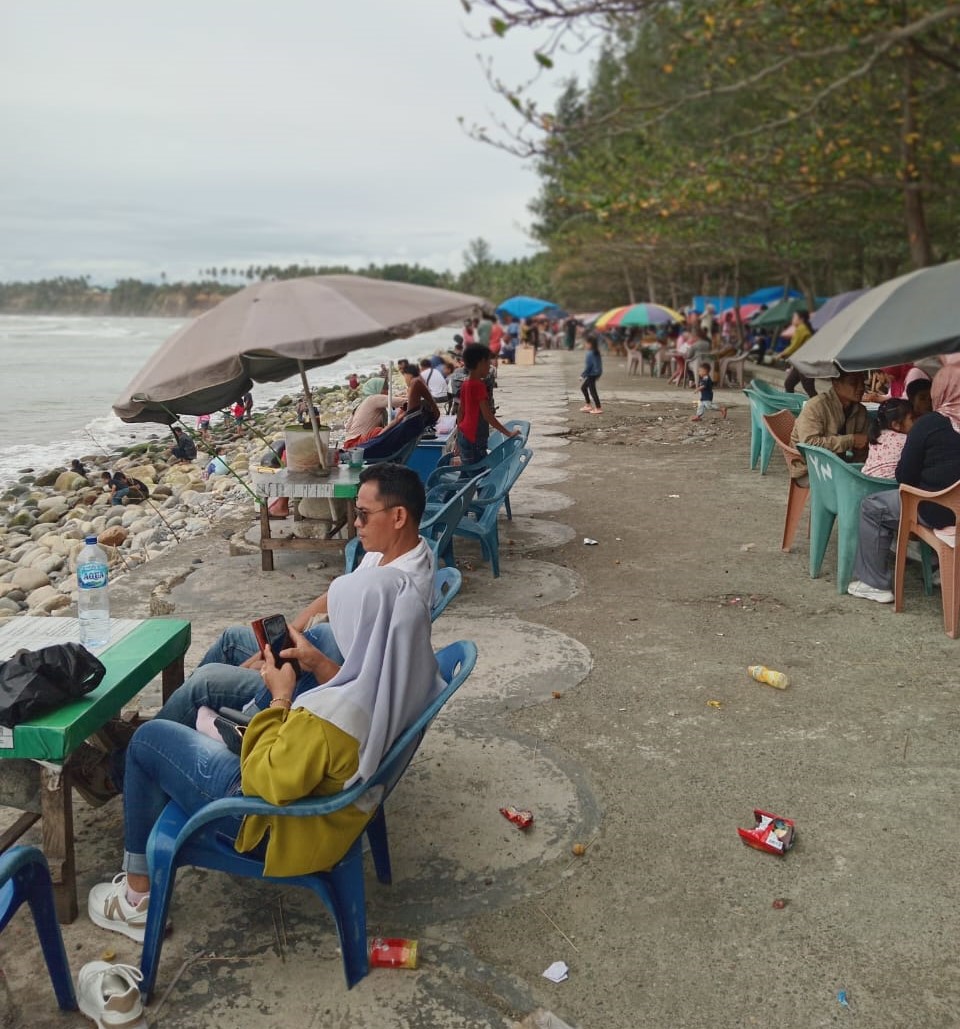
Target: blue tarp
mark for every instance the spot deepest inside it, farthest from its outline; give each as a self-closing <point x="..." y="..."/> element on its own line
<point x="720" y="304"/>
<point x="771" y="295"/>
<point x="526" y="307"/>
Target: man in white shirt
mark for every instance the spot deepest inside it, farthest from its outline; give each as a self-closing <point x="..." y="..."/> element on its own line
<point x="433" y="379"/>
<point x="390" y="504"/>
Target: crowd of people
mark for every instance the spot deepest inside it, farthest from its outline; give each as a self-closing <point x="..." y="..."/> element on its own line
<point x="435" y="385"/>
<point x="913" y="438"/>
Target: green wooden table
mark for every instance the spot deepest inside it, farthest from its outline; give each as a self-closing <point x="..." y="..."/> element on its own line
<point x="33" y="777"/>
<point x="342" y="483"/>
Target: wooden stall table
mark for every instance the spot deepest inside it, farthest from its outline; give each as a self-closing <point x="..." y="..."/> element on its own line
<point x="33" y="778"/>
<point x="343" y="483"/>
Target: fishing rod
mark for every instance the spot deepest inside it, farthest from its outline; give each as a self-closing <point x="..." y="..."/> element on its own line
<point x="210" y="449"/>
<point x="147" y="499"/>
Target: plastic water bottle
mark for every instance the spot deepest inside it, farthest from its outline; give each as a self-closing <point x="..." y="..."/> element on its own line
<point x="768" y="676"/>
<point x="93" y="601"/>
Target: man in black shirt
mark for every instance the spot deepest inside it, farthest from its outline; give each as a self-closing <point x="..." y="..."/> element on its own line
<point x="184" y="449"/>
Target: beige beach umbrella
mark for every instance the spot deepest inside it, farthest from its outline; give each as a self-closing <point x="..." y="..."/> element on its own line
<point x="270" y="331"/>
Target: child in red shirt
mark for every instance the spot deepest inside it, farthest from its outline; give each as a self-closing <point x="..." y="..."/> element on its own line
<point x="474" y="415"/>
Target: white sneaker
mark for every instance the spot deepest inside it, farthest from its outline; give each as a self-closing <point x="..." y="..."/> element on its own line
<point x="861" y="589"/>
<point x="110" y="995"/>
<point x="936" y="578"/>
<point x="109" y="908"/>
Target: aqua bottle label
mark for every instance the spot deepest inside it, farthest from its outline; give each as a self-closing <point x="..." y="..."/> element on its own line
<point x="91" y="576"/>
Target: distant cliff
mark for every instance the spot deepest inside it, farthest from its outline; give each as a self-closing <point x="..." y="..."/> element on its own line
<point x="128" y="297"/>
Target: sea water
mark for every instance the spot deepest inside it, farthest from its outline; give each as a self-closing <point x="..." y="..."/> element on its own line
<point x="62" y="373"/>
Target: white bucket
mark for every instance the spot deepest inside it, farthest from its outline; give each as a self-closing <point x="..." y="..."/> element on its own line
<point x="302" y="453"/>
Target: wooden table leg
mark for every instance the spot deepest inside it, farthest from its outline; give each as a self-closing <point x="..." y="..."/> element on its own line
<point x="56" y="806"/>
<point x="171" y="678"/>
<point x="266" y="556"/>
<point x="351" y="517"/>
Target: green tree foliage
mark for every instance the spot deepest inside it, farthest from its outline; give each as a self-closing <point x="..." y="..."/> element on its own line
<point x="738" y="142"/>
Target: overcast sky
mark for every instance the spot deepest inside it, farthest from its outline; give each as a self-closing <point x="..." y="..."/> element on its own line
<point x="137" y="138"/>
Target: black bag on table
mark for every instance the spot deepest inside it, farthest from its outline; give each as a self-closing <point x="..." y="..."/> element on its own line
<point x="33" y="682"/>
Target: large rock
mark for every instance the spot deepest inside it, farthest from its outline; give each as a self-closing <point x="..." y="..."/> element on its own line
<point x="48" y="478"/>
<point x="9" y="607"/>
<point x="46" y="503"/>
<point x="144" y="472"/>
<point x="142" y="524"/>
<point x="30" y="578"/>
<point x="6" y="566"/>
<point x="114" y="536"/>
<point x="67" y="482"/>
<point x="143" y="539"/>
<point x="22" y="519"/>
<point x="44" y="561"/>
<point x="53" y="514"/>
<point x="47" y="599"/>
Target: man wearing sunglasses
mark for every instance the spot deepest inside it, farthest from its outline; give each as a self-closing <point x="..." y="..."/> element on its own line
<point x="390" y="504"/>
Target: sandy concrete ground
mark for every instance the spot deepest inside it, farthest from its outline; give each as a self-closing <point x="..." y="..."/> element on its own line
<point x="667" y="920"/>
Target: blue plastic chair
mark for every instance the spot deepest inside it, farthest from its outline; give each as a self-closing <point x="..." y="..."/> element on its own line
<point x="761" y="442"/>
<point x="447" y="473"/>
<point x="450" y="475"/>
<point x="439" y="523"/>
<point x="446" y="585"/>
<point x="497" y="437"/>
<point x="179" y="839"/>
<point x="836" y="490"/>
<point x="25" y="876"/>
<point x="482" y="519"/>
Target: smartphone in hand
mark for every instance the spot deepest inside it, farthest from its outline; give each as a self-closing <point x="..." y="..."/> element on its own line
<point x="272" y="631"/>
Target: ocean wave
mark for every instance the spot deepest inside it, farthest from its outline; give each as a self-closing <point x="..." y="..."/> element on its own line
<point x="40" y="431"/>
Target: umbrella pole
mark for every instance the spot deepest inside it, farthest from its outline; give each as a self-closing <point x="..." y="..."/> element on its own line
<point x="390" y="391"/>
<point x="321" y="449"/>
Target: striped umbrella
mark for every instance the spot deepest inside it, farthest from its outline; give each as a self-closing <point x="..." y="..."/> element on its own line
<point x="638" y="314"/>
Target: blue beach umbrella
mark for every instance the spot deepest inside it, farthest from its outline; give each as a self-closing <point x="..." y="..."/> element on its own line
<point x="526" y="307"/>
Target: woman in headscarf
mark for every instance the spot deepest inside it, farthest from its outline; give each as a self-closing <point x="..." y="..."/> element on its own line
<point x="930" y="461"/>
<point x="331" y="736"/>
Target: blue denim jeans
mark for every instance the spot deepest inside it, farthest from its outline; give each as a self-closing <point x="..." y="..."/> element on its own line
<point x="166" y="761"/>
<point x="225" y="685"/>
<point x="234" y="646"/>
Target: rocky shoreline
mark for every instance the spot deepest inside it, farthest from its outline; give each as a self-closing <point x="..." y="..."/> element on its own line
<point x="45" y="516"/>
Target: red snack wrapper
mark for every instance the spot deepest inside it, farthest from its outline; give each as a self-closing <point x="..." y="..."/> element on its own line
<point x="521" y="819"/>
<point x="393" y="952"/>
